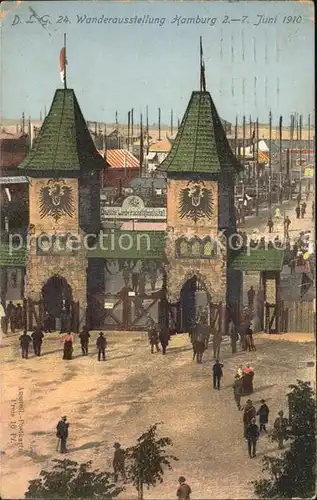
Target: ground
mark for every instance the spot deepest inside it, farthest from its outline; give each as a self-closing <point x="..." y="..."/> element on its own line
<point x="120" y="398"/>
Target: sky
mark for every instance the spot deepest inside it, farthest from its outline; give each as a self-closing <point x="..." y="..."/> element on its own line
<point x="251" y="66"/>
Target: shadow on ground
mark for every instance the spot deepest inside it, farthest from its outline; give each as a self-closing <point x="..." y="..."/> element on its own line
<point x="87" y="446"/>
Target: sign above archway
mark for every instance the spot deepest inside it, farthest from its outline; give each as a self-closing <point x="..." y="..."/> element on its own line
<point x="132" y="208"/>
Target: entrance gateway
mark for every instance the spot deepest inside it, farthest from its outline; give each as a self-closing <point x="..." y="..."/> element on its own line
<point x="116" y="289"/>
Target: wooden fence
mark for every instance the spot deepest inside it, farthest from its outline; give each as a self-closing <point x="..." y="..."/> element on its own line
<point x="298" y="317"/>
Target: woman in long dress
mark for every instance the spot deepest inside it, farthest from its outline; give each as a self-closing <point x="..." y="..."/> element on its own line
<point x="68" y="346"/>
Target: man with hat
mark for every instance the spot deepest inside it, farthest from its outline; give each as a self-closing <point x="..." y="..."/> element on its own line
<point x="62" y="433"/>
<point x="118" y="462"/>
<point x="84" y="340"/>
<point x="25" y="341"/>
<point x="263" y="413"/>
<point x="252" y="434"/>
<point x="280" y="429"/>
<point x="248" y="415"/>
<point x="101" y="344"/>
<point x="184" y="490"/>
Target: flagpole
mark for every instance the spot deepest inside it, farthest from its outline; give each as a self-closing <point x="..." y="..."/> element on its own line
<point x="147" y="131"/>
<point x="251" y="143"/>
<point x="257" y="167"/>
<point x="300" y="152"/>
<point x="200" y="63"/>
<point x="243" y="163"/>
<point x="290" y="166"/>
<point x="65" y="64"/>
<point x="280" y="141"/>
<point x="270" y="163"/>
<point x="141" y="158"/>
<point x="308" y="157"/>
<point x="171" y="122"/>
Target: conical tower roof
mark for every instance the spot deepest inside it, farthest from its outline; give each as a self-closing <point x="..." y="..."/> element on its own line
<point x="64" y="143"/>
<point x="201" y="145"/>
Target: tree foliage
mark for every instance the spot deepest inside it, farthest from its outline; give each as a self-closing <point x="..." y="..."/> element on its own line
<point x="293" y="474"/>
<point x="68" y="479"/>
<point x="146" y="460"/>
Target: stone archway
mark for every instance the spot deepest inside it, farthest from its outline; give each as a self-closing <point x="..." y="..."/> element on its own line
<point x="194" y="304"/>
<point x="57" y="296"/>
<point x="175" y="282"/>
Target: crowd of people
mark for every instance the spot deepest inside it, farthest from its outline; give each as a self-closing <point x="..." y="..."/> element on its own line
<point x="37" y="336"/>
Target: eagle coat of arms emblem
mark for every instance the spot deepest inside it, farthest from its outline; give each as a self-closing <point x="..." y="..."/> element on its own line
<point x="195" y="201"/>
<point x="56" y="200"/>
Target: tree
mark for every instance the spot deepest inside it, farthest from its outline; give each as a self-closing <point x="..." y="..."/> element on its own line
<point x="293" y="474"/>
<point x="69" y="479"/>
<point x="145" y="460"/>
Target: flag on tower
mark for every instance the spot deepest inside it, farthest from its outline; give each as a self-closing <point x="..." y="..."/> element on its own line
<point x="63" y="63"/>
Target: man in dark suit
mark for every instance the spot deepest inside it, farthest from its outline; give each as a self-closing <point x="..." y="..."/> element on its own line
<point x="217" y="374"/>
<point x="252" y="434"/>
<point x="62" y="433"/>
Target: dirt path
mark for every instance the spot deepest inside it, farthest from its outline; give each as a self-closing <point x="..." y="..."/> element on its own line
<point x="119" y="399"/>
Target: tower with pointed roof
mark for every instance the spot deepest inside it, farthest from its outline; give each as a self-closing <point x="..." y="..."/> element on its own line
<point x="63" y="168"/>
<point x="200" y="170"/>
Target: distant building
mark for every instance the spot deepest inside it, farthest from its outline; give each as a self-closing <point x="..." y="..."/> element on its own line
<point x="123" y="167"/>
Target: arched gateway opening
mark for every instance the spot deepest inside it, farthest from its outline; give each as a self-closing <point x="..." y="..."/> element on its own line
<point x="57" y="302"/>
<point x="194" y="304"/>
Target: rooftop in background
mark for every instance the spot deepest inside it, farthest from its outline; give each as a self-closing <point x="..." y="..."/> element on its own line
<point x="64" y="142"/>
<point x="13" y="150"/>
<point x="161" y="146"/>
<point x="120" y="158"/>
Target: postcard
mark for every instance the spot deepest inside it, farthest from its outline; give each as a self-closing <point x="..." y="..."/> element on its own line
<point x="157" y="255"/>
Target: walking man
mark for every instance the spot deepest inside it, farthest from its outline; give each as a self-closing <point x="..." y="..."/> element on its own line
<point x="62" y="433"/>
<point x="19" y="317"/>
<point x="101" y="346"/>
<point x="263" y="413"/>
<point x="252" y="434"/>
<point x="217" y="374"/>
<point x="184" y="490"/>
<point x="164" y="338"/>
<point x="270" y="224"/>
<point x="37" y="337"/>
<point x="153" y="338"/>
<point x="297" y="210"/>
<point x="251" y="295"/>
<point x="84" y="340"/>
<point x="237" y="390"/>
<point x="280" y="429"/>
<point x="118" y="462"/>
<point x="287" y="222"/>
<point x="25" y="341"/>
<point x="248" y="416"/>
<point x="11" y="316"/>
<point x="303" y="209"/>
